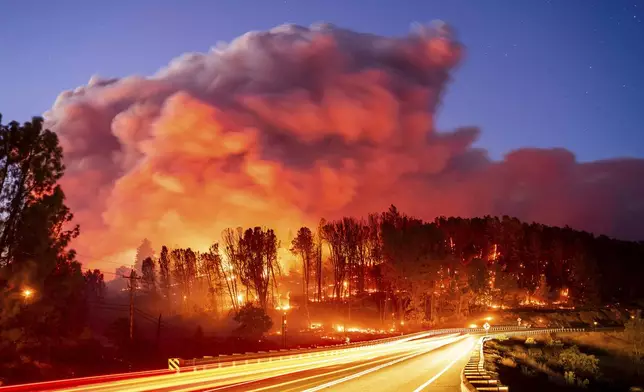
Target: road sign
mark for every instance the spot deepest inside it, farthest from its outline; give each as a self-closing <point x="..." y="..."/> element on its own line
<point x="173" y="364"/>
<point x="486" y="326"/>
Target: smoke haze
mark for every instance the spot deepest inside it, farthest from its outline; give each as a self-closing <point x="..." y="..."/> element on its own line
<point x="280" y="128"/>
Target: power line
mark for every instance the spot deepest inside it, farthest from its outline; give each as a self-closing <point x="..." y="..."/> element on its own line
<point x="140" y="314"/>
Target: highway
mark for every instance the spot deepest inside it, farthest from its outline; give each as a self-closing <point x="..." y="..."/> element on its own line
<point x="420" y="363"/>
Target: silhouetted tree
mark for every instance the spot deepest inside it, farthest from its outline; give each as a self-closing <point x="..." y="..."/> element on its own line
<point x="333" y="234"/>
<point x="212" y="268"/>
<point x="149" y="275"/>
<point x="35" y="232"/>
<point x="144" y="251"/>
<point x="258" y="255"/>
<point x="184" y="272"/>
<point x="234" y="264"/>
<point x="164" y="272"/>
<point x="303" y="246"/>
<point x="318" y="258"/>
<point x="253" y="321"/>
<point x="94" y="286"/>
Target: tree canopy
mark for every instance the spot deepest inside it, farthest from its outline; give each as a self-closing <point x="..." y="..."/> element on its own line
<point x="43" y="288"/>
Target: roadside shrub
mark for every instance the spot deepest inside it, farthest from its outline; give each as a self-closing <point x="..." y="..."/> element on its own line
<point x="574" y="360"/>
<point x="502" y="338"/>
<point x="530" y="340"/>
<point x="521" y="354"/>
<point x="253" y="322"/>
<point x="519" y="348"/>
<point x="634" y="335"/>
<point x="571" y="379"/>
<point x="509" y="362"/>
<point x="535" y="352"/>
<point x="492" y="344"/>
<point x="527" y="371"/>
<point x="542" y="368"/>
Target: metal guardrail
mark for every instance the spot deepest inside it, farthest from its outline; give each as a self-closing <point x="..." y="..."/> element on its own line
<point x="280" y="355"/>
<point x="475" y="378"/>
<point x="283" y="354"/>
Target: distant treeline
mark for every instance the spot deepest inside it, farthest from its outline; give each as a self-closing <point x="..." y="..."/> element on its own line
<point x="423" y="270"/>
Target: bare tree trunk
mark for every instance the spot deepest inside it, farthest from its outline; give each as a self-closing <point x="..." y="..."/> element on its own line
<point x="305" y="288"/>
<point x="319" y="271"/>
<point x="349" y="296"/>
<point x="432" y="305"/>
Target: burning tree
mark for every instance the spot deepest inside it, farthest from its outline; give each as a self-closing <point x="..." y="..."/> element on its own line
<point x="319" y="239"/>
<point x="303" y="246"/>
<point x="149" y="275"/>
<point x="258" y="257"/>
<point x="232" y="269"/>
<point x="410" y="266"/>
<point x="184" y="262"/>
<point x="211" y="266"/>
<point x="164" y="272"/>
<point x="333" y="234"/>
<point x="144" y="251"/>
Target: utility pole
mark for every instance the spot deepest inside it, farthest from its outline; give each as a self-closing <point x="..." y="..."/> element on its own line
<point x="132" y="278"/>
<point x="284" y="330"/>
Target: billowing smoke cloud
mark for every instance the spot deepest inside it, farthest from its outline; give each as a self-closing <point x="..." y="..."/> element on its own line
<point x="283" y="127"/>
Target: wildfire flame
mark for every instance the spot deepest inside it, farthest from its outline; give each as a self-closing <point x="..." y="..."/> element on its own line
<point x="532" y="302"/>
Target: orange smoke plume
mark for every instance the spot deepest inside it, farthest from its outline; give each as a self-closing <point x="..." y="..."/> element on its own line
<point x="280" y="128"/>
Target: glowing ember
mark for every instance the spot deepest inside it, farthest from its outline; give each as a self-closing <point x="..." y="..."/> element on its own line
<point x="284" y="304"/>
<point x="365" y="330"/>
<point x="495" y="253"/>
<point x="532" y="302"/>
<point x="27" y="293"/>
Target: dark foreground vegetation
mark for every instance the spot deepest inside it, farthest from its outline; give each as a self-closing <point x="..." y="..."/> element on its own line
<point x="610" y="361"/>
<point x="375" y="275"/>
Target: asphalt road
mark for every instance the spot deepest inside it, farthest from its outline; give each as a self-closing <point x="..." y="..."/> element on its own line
<point x="429" y="363"/>
<point x="430" y="367"/>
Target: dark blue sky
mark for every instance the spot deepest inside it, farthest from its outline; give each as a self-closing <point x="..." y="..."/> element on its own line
<point x="560" y="73"/>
